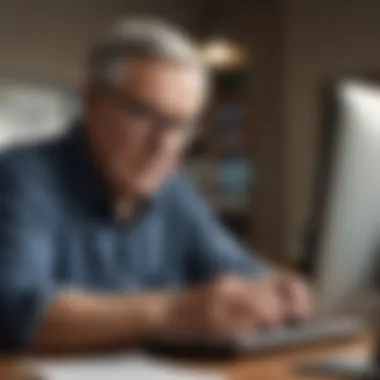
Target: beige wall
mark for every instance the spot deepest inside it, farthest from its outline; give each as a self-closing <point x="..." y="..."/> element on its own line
<point x="48" y="39"/>
<point x="322" y="38"/>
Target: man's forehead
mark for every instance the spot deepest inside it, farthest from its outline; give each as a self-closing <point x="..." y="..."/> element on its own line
<point x="153" y="79"/>
<point x="137" y="67"/>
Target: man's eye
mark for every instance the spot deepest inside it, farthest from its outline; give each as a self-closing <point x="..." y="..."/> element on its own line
<point x="139" y="109"/>
<point x="138" y="112"/>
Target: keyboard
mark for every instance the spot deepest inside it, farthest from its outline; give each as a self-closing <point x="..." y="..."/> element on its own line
<point x="264" y="341"/>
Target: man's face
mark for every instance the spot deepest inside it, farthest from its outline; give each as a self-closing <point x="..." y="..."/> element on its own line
<point x="141" y="127"/>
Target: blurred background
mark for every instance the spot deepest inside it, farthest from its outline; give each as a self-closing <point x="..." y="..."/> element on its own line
<point x="256" y="158"/>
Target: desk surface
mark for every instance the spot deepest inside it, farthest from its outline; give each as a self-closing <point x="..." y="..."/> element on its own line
<point x="281" y="366"/>
<point x="277" y="366"/>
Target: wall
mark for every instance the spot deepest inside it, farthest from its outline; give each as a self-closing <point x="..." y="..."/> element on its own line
<point x="322" y="39"/>
<point x="48" y="39"/>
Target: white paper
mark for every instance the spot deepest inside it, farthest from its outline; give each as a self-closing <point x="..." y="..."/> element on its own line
<point x="118" y="367"/>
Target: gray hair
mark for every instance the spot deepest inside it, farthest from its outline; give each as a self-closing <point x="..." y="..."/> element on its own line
<point x="140" y="38"/>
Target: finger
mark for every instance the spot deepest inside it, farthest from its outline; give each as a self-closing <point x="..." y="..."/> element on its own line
<point x="228" y="315"/>
<point x="298" y="298"/>
<point x="265" y="304"/>
<point x="269" y="312"/>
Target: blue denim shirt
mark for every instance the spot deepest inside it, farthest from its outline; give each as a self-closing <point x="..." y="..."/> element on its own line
<point x="57" y="232"/>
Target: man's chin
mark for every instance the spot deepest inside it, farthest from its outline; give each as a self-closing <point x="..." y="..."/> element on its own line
<point x="146" y="189"/>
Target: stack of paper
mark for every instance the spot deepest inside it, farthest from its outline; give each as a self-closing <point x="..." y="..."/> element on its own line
<point x="118" y="367"/>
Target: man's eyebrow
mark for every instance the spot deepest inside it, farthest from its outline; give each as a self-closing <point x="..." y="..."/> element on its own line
<point x="123" y="96"/>
<point x="147" y="106"/>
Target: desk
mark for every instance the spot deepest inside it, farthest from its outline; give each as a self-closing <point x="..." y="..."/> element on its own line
<point x="281" y="366"/>
<point x="266" y="367"/>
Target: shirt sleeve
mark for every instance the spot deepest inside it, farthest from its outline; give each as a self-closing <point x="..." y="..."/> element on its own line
<point x="25" y="263"/>
<point x="214" y="251"/>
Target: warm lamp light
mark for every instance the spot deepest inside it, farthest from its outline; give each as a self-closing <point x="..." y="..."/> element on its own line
<point x="222" y="53"/>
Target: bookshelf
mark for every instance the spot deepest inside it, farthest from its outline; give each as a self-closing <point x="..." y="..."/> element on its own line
<point x="218" y="161"/>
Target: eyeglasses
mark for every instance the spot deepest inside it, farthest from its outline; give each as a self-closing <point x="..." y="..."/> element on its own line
<point x="147" y="117"/>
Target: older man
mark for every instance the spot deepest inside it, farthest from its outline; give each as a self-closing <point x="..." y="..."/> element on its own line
<point x="102" y="241"/>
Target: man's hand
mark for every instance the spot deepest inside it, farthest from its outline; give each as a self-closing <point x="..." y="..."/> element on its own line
<point x="296" y="296"/>
<point x="232" y="305"/>
<point x="221" y="309"/>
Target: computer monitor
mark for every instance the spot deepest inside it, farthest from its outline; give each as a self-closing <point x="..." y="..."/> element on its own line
<point x="343" y="245"/>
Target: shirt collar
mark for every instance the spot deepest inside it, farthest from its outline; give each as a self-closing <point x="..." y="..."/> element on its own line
<point x="93" y="192"/>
